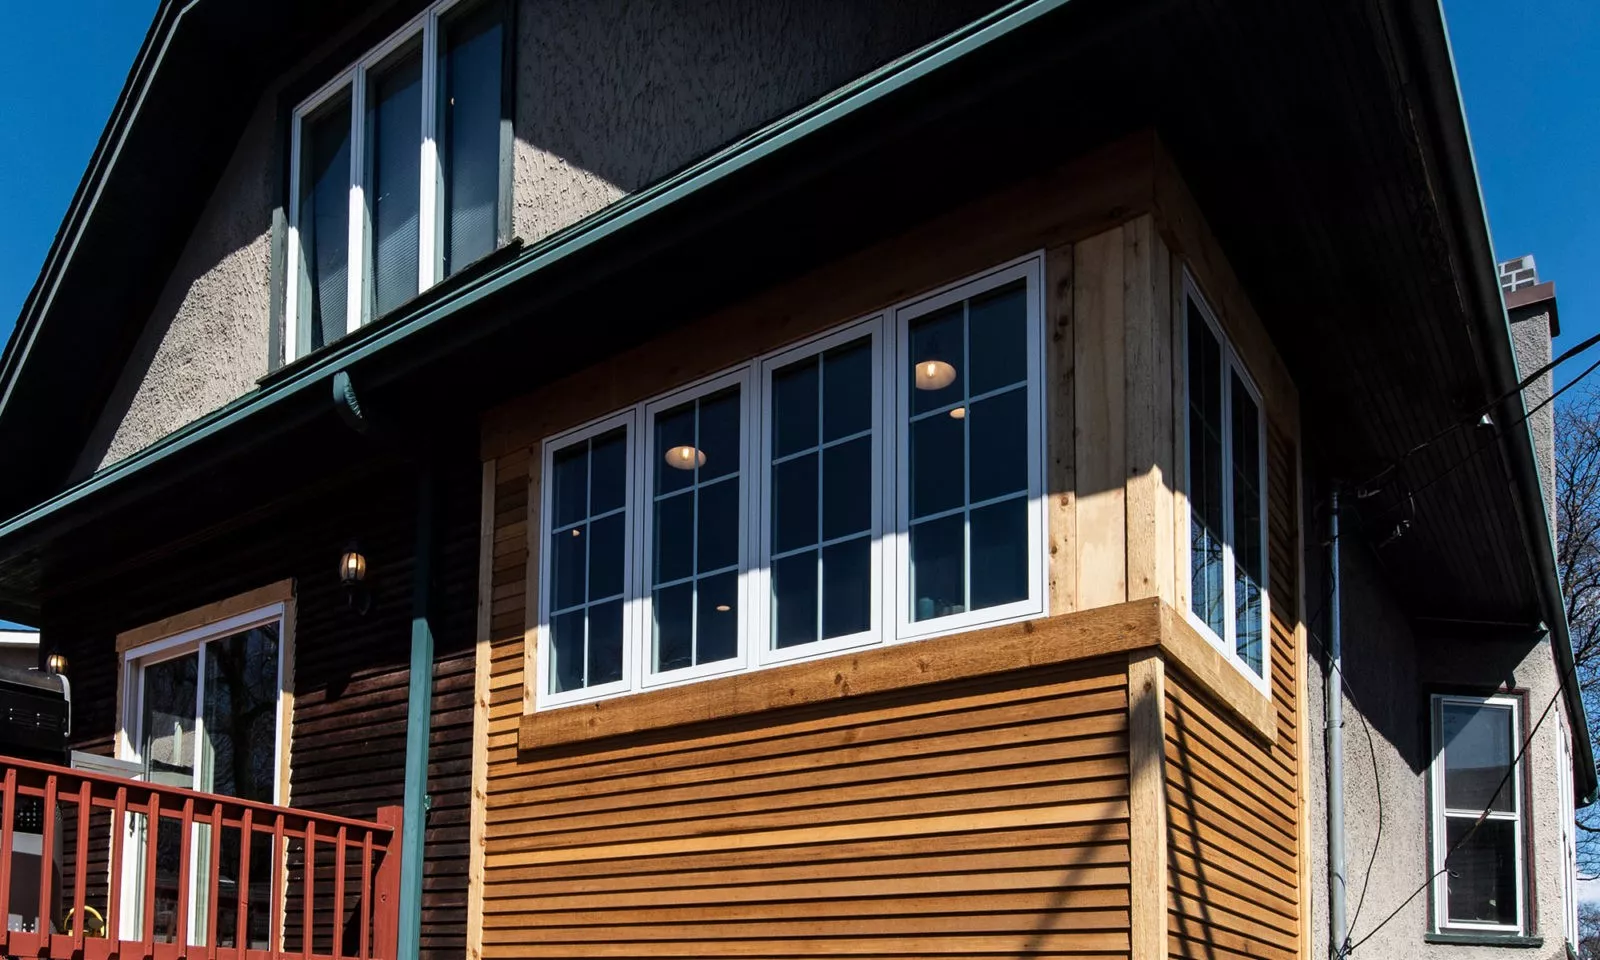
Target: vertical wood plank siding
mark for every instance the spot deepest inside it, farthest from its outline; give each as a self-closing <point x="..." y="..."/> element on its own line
<point x="1233" y="801"/>
<point x="986" y="817"/>
<point x="347" y="746"/>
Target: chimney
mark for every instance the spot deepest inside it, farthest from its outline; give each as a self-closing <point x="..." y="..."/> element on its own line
<point x="1531" y="308"/>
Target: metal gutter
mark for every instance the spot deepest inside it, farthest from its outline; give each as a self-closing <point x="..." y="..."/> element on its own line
<point x="1460" y="195"/>
<point x="649" y="204"/>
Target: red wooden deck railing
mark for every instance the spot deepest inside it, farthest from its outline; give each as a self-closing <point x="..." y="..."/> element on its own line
<point x="304" y="885"/>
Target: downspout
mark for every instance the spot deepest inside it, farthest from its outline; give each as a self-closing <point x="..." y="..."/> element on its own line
<point x="419" y="702"/>
<point x="1333" y="739"/>
<point x="419" y="683"/>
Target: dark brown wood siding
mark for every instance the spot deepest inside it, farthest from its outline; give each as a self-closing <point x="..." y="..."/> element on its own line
<point x="347" y="752"/>
<point x="1234" y="801"/>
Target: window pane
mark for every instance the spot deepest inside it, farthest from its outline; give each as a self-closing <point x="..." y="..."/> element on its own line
<point x="324" y="224"/>
<point x="794" y="599"/>
<point x="608" y="471"/>
<point x="718" y="524"/>
<point x="1481" y="884"/>
<point x="469" y="134"/>
<point x="698" y="531"/>
<point x="719" y="434"/>
<point x="569" y="484"/>
<point x="999" y="335"/>
<point x="676" y="449"/>
<point x="938" y="359"/>
<point x="1478" y="749"/>
<point x="847" y="588"/>
<point x="999" y="445"/>
<point x="794" y="407"/>
<point x="566" y="651"/>
<point x="674" y="538"/>
<point x="1000" y="553"/>
<point x="847" y="390"/>
<point x="674" y="607"/>
<point x="605" y="556"/>
<point x="605" y="643"/>
<point x="241" y="722"/>
<point x="718" y="627"/>
<point x="938" y="456"/>
<point x="393" y="181"/>
<point x="568" y="553"/>
<point x="938" y="559"/>
<point x="1249" y="575"/>
<point x="847" y="488"/>
<point x="794" y="503"/>
<point x="1205" y="472"/>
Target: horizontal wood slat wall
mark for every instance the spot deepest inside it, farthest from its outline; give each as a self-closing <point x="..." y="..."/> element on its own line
<point x="347" y="744"/>
<point x="979" y="817"/>
<point x="1233" y="834"/>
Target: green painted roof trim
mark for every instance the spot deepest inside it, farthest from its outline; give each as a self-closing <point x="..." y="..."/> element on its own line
<point x="651" y="202"/>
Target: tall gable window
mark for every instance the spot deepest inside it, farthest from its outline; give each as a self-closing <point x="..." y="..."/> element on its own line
<point x="879" y="483"/>
<point x="394" y="173"/>
<point x="1227" y="489"/>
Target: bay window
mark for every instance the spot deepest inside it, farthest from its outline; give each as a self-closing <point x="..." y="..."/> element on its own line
<point x="1225" y="437"/>
<point x="878" y="483"/>
<point x="1476" y="799"/>
<point x="394" y="173"/>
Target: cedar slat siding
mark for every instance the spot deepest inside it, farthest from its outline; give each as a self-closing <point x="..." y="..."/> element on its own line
<point x="1233" y="801"/>
<point x="350" y="673"/>
<point x="986" y="817"/>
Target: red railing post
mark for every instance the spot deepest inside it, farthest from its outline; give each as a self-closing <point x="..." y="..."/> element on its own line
<point x="241" y="936"/>
<point x="8" y="818"/>
<point x="338" y="891"/>
<point x="80" y="865"/>
<point x="152" y="831"/>
<point x="386" y="892"/>
<point x="119" y="830"/>
<point x="214" y="884"/>
<point x="47" y="854"/>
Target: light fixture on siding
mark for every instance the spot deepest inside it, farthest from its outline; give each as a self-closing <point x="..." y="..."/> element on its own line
<point x="56" y="663"/>
<point x="685" y="457"/>
<point x="353" y="577"/>
<point x="934" y="375"/>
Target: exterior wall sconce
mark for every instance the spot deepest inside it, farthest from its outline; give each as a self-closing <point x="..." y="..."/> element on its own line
<point x="353" y="576"/>
<point x="56" y="663"/>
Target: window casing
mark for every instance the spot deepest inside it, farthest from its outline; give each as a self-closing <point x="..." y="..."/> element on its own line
<point x="1475" y="744"/>
<point x="770" y="502"/>
<point x="394" y="173"/>
<point x="1567" y="808"/>
<point x="1226" y="472"/>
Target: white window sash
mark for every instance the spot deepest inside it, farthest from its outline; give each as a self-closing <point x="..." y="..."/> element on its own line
<point x="630" y="554"/>
<point x="430" y="216"/>
<point x="1229" y="366"/>
<point x="766" y="652"/>
<point x="1440" y="846"/>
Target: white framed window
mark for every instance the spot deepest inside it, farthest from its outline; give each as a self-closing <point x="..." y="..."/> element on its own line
<point x="827" y="496"/>
<point x="1225" y="442"/>
<point x="588" y="557"/>
<point x="1567" y="809"/>
<point x="394" y="173"/>
<point x="820" y="582"/>
<point x="204" y="710"/>
<point x="1476" y="769"/>
<point x="969" y="464"/>
<point x="697" y="530"/>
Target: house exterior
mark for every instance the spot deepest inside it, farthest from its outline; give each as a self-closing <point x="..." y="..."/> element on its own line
<point x="670" y="479"/>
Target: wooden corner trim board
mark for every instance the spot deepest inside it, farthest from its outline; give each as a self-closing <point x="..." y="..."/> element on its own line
<point x="1147" y="805"/>
<point x="279" y="592"/>
<point x="478" y="824"/>
<point x="1149" y="624"/>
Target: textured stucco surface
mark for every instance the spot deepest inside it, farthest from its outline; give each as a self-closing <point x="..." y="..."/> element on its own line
<point x="205" y="342"/>
<point x="1392" y="671"/>
<point x="612" y="95"/>
<point x="1530" y="338"/>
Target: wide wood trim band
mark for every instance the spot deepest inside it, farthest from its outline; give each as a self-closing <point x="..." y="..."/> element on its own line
<point x="1148" y="624"/>
<point x="279" y="592"/>
<point x="1147" y="805"/>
